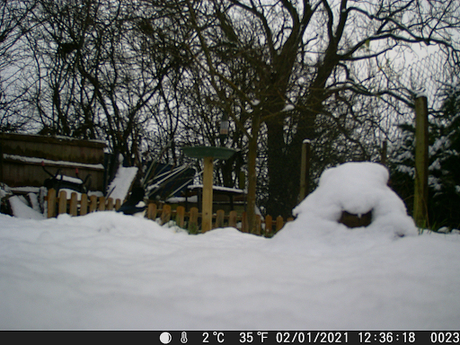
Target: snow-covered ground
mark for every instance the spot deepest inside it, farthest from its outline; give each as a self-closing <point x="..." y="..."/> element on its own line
<point x="111" y="271"/>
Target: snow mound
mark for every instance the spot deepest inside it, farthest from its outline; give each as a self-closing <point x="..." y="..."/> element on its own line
<point x="356" y="188"/>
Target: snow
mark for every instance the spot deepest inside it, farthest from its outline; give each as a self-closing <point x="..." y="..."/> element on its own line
<point x="107" y="270"/>
<point x="34" y="160"/>
<point x="120" y="185"/>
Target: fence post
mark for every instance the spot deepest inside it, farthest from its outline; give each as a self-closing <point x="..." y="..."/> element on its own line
<point x="109" y="204"/>
<point x="117" y="204"/>
<point x="232" y="219"/>
<point x="101" y="203"/>
<point x="151" y="211"/>
<point x="180" y="215"/>
<point x="62" y="208"/>
<point x="258" y="224"/>
<point x="279" y="223"/>
<point x="421" y="162"/>
<point x="244" y="222"/>
<point x="51" y="203"/>
<point x="92" y="203"/>
<point x="73" y="204"/>
<point x="268" y="224"/>
<point x="166" y="214"/>
<point x="220" y="215"/>
<point x="193" y="221"/>
<point x="84" y="204"/>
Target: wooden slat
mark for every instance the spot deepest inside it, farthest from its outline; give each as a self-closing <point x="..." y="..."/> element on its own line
<point x="180" y="216"/>
<point x="166" y="214"/>
<point x="232" y="219"/>
<point x="51" y="203"/>
<point x="84" y="204"/>
<point x="193" y="222"/>
<point x="62" y="208"/>
<point x="220" y="216"/>
<point x="101" y="206"/>
<point x="93" y="203"/>
<point x="279" y="223"/>
<point x="268" y="224"/>
<point x="109" y="203"/>
<point x="73" y="204"/>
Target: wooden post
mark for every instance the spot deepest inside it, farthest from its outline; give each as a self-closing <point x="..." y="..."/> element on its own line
<point x="244" y="222"/>
<point x="268" y="224"/>
<point x="421" y="163"/>
<point x="101" y="203"/>
<point x="180" y="216"/>
<point x="279" y="223"/>
<point x="62" y="202"/>
<point x="232" y="219"/>
<point x="193" y="221"/>
<point x="166" y="214"/>
<point x="109" y="204"/>
<point x="206" y="223"/>
<point x="151" y="211"/>
<point x="92" y="203"/>
<point x="304" y="169"/>
<point x="258" y="224"/>
<point x="73" y="204"/>
<point x="51" y="203"/>
<point x="84" y="204"/>
<point x="220" y="214"/>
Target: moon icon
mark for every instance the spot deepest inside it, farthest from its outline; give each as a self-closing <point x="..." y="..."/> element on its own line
<point x="165" y="338"/>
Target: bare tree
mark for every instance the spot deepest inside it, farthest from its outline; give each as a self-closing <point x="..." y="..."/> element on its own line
<point x="301" y="55"/>
<point x="15" y="22"/>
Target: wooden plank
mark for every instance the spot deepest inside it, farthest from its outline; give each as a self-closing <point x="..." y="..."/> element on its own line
<point x="152" y="211"/>
<point x="62" y="206"/>
<point x="279" y="223"/>
<point x="244" y="222"/>
<point x="258" y="224"/>
<point x="232" y="219"/>
<point x="193" y="221"/>
<point x="51" y="203"/>
<point x="73" y="204"/>
<point x="109" y="204"/>
<point x="93" y="203"/>
<point x="220" y="216"/>
<point x="117" y="204"/>
<point x="268" y="225"/>
<point x="84" y="204"/>
<point x="180" y="216"/>
<point x="101" y="206"/>
<point x="166" y="214"/>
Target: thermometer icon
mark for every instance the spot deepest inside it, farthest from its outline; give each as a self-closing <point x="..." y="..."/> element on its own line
<point x="183" y="337"/>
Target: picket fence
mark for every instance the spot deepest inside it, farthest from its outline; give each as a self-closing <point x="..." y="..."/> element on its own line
<point x="82" y="204"/>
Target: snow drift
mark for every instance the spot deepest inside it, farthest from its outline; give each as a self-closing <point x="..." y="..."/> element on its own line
<point x="107" y="270"/>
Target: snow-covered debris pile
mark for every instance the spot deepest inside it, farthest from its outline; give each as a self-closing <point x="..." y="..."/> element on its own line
<point x="356" y="188"/>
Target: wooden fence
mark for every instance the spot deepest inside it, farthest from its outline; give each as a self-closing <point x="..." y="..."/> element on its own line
<point x="75" y="206"/>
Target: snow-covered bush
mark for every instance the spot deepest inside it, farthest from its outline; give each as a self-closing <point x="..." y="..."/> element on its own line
<point x="356" y="188"/>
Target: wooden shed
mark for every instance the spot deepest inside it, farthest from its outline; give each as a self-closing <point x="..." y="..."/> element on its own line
<point x="21" y="157"/>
